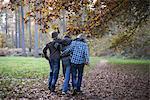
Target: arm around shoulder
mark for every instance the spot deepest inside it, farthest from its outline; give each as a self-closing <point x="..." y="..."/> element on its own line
<point x="68" y="50"/>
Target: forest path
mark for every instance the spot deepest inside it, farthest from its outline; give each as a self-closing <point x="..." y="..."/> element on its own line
<point x="104" y="82"/>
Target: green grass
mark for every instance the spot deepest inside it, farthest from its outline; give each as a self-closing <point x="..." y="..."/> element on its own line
<point x="114" y="60"/>
<point x="28" y="67"/>
<point x="22" y="67"/>
<point x="142" y="66"/>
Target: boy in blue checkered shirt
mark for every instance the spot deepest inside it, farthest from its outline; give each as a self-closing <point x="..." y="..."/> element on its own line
<point x="80" y="57"/>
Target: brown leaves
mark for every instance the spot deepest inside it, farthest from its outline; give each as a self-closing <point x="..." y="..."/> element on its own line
<point x="105" y="81"/>
<point x="116" y="81"/>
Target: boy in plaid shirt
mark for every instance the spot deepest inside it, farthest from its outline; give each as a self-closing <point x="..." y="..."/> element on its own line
<point x="80" y="57"/>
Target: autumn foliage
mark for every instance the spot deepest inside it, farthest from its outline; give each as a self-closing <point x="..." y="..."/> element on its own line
<point x="90" y="17"/>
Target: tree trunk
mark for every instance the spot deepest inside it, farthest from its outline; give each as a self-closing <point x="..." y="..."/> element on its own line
<point x="23" y="35"/>
<point x="18" y="33"/>
<point x="6" y="25"/>
<point x="6" y="19"/>
<point x="36" y="40"/>
<point x="64" y="20"/>
<point x="13" y="40"/>
<point x="83" y="15"/>
<point x="62" y="23"/>
<point x="29" y="29"/>
<point x="16" y="18"/>
<point x="41" y="35"/>
<point x="36" y="37"/>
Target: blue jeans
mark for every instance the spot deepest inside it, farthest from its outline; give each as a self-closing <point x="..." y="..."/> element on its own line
<point x="66" y="72"/>
<point x="54" y="72"/>
<point x="77" y="74"/>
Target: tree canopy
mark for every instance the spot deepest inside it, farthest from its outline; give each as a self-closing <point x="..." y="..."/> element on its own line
<point x="91" y="17"/>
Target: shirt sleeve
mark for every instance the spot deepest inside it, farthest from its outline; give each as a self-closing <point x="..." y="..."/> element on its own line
<point x="68" y="50"/>
<point x="86" y="54"/>
<point x="45" y="51"/>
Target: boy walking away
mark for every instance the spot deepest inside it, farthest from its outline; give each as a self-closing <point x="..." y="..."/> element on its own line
<point x="80" y="57"/>
<point x="54" y="60"/>
<point x="66" y="64"/>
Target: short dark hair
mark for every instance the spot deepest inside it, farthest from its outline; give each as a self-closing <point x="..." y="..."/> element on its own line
<point x="54" y="34"/>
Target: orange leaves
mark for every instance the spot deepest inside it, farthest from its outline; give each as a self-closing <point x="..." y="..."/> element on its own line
<point x="50" y="10"/>
<point x="73" y="29"/>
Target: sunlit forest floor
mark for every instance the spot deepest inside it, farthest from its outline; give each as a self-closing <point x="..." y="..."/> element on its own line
<point x="105" y="78"/>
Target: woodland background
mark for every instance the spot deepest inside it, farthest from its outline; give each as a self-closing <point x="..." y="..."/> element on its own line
<point x="113" y="27"/>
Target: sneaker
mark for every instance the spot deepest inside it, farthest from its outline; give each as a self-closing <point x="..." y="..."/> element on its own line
<point x="80" y="92"/>
<point x="52" y="89"/>
<point x="69" y="87"/>
<point x="53" y="93"/>
<point x="74" y="92"/>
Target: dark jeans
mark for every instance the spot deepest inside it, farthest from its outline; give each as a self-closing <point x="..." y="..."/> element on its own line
<point x="63" y="67"/>
<point x="66" y="71"/>
<point x="54" y="72"/>
<point x="77" y="74"/>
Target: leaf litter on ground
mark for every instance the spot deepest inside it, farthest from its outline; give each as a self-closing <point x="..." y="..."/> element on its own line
<point x="104" y="82"/>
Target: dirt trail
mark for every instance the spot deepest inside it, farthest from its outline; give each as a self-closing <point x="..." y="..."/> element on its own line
<point x="117" y="82"/>
<point x="104" y="82"/>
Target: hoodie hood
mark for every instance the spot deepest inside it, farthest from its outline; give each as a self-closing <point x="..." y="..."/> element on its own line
<point x="66" y="41"/>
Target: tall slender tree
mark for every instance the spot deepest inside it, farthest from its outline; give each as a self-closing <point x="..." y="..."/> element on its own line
<point x="16" y="29"/>
<point x="41" y="34"/>
<point x="23" y="34"/>
<point x="6" y="20"/>
<point x="64" y="20"/>
<point x="13" y="40"/>
<point x="19" y="30"/>
<point x="29" y="29"/>
<point x="6" y="25"/>
<point x="36" y="34"/>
